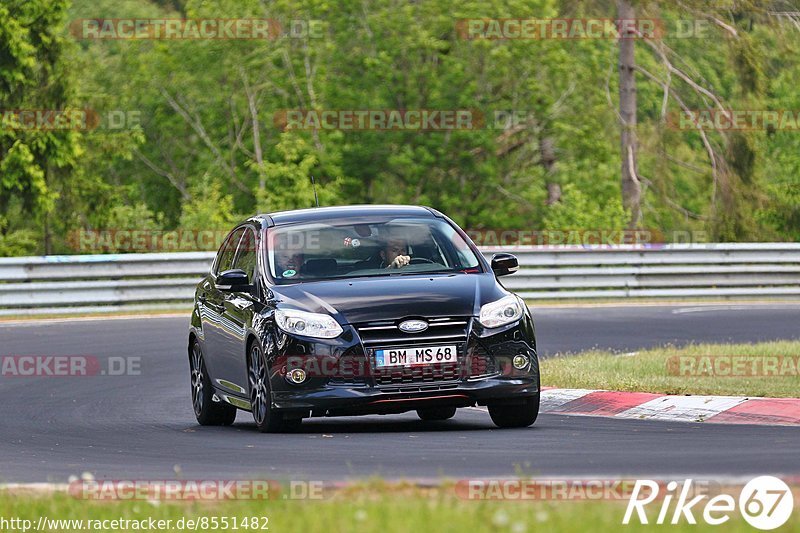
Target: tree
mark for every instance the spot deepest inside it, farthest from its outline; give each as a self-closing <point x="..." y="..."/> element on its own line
<point x="629" y="161"/>
<point x="35" y="162"/>
<point x="574" y="128"/>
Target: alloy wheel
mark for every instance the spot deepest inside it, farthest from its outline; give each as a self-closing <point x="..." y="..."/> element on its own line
<point x="197" y="379"/>
<point x="259" y="392"/>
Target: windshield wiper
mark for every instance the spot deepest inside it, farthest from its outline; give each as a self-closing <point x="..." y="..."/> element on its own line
<point x="380" y="275"/>
<point x="426" y="272"/>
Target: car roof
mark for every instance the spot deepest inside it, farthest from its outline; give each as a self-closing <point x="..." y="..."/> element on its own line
<point x="316" y="214"/>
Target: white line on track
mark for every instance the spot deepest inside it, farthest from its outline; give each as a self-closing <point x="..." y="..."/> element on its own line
<point x="717" y="308"/>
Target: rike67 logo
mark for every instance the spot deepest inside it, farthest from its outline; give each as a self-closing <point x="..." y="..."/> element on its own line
<point x="765" y="503"/>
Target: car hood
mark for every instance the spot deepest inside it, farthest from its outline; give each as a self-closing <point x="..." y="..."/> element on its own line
<point x="390" y="298"/>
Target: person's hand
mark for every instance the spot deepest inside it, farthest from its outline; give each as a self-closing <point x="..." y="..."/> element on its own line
<point x="400" y="261"/>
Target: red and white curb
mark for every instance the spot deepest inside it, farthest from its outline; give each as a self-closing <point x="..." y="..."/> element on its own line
<point x="648" y="406"/>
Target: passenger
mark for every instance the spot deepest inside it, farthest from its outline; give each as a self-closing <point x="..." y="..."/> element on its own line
<point x="289" y="259"/>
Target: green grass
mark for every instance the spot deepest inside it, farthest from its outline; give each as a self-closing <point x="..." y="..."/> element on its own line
<point x="373" y="508"/>
<point x="654" y="370"/>
<point x="186" y="310"/>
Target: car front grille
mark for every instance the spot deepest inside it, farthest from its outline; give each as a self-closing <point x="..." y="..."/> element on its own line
<point x="441" y="330"/>
<point x="387" y="333"/>
<point x="434" y="373"/>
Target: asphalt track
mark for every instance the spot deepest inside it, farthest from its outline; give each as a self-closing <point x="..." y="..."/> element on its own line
<point x="142" y="427"/>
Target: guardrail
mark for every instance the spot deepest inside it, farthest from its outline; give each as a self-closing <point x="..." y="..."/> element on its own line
<point x="84" y="283"/>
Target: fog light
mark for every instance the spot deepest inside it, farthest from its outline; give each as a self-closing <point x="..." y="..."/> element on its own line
<point x="296" y="376"/>
<point x="520" y="361"/>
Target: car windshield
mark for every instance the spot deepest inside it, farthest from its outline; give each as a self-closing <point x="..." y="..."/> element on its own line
<point x="348" y="249"/>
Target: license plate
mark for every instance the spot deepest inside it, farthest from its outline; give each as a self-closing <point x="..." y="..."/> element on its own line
<point x="424" y="355"/>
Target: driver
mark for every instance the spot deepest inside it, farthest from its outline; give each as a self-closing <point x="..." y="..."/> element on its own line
<point x="395" y="253"/>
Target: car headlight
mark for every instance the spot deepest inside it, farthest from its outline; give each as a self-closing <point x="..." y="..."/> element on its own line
<point x="504" y="311"/>
<point x="307" y="324"/>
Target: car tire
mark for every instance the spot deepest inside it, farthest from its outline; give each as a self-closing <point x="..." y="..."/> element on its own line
<point x="267" y="418"/>
<point x="515" y="415"/>
<point x="206" y="410"/>
<point x="436" y="413"/>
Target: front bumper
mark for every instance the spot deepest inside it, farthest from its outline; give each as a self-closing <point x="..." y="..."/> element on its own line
<point x="484" y="373"/>
<point x="333" y="401"/>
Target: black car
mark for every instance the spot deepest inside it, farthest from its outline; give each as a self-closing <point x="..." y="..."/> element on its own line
<point x="359" y="310"/>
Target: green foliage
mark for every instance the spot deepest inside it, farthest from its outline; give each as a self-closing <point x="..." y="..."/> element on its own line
<point x="206" y="151"/>
<point x="35" y="164"/>
<point x="133" y="217"/>
<point x="16" y="242"/>
<point x="576" y="211"/>
<point x="20" y="174"/>
<point x="209" y="209"/>
<point x="287" y="182"/>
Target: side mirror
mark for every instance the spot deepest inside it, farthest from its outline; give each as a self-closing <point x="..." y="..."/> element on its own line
<point x="504" y="264"/>
<point x="233" y="281"/>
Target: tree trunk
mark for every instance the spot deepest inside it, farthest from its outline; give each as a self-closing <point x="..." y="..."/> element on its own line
<point x="547" y="154"/>
<point x="253" y="106"/>
<point x="631" y="187"/>
<point x="553" y="193"/>
<point x="48" y="243"/>
<point x="48" y="240"/>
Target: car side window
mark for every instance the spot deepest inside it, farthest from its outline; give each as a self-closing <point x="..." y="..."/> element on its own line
<point x="227" y="252"/>
<point x="246" y="254"/>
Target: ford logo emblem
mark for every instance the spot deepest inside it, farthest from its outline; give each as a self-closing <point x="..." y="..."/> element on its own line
<point x="413" y="326"/>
